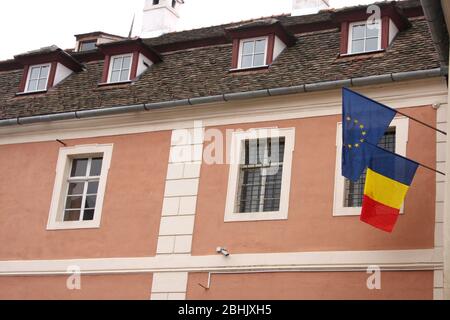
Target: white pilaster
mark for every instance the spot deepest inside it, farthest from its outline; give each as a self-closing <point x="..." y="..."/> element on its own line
<point x="179" y="207"/>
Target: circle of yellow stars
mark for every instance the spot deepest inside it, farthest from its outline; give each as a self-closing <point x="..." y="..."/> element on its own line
<point x="363" y="132"/>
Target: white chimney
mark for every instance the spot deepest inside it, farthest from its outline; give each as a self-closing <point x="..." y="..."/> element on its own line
<point x="303" y="7"/>
<point x="160" y="16"/>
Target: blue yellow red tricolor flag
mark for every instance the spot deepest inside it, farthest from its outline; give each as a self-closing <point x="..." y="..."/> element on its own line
<point x="387" y="181"/>
<point x="364" y="122"/>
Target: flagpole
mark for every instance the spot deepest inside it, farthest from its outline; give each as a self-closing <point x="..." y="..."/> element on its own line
<point x="420" y="164"/>
<point x="422" y="123"/>
<point x="399" y="112"/>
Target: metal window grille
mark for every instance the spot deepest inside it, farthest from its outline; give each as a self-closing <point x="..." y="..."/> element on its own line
<point x="260" y="175"/>
<point x="354" y="191"/>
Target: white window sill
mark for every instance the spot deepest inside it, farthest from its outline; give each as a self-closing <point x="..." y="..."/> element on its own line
<point x="361" y="53"/>
<point x="113" y="83"/>
<point x="30" y="92"/>
<point x="73" y="225"/>
<point x="265" y="66"/>
<point x="255" y="216"/>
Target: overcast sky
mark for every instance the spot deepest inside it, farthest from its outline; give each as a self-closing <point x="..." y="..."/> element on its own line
<point x="31" y="24"/>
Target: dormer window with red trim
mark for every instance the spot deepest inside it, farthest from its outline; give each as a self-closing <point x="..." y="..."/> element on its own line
<point x="45" y="68"/>
<point x="253" y="52"/>
<point x="360" y="35"/>
<point x="364" y="37"/>
<point x="120" y="68"/>
<point x="126" y="60"/>
<point x="258" y="43"/>
<point x="37" y="78"/>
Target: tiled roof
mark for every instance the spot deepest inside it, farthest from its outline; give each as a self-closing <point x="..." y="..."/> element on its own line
<point x="205" y="71"/>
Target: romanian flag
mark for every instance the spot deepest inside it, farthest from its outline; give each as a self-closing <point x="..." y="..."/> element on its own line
<point x="387" y="181"/>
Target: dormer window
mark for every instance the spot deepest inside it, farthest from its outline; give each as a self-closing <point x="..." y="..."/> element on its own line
<point x="126" y="60"/>
<point x="87" y="45"/>
<point x="253" y="52"/>
<point x="38" y="78"/>
<point x="43" y="69"/>
<point x="364" y="37"/>
<point x="258" y="43"/>
<point x="120" y="68"/>
<point x="155" y="2"/>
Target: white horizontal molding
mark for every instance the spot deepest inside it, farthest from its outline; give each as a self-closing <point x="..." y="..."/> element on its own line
<point x="423" y="259"/>
<point x="303" y="105"/>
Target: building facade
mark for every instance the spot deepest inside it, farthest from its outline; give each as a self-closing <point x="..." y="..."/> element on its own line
<point x="205" y="164"/>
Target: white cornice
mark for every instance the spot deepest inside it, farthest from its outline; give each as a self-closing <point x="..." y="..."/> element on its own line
<point x="303" y="105"/>
<point x="423" y="259"/>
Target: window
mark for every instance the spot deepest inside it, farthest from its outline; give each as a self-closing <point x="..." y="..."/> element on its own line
<point x="79" y="188"/>
<point x="87" y="45"/>
<point x="82" y="189"/>
<point x="38" y="78"/>
<point x="260" y="175"/>
<point x="174" y="3"/>
<point x="253" y="53"/>
<point x="259" y="179"/>
<point x="120" y="68"/>
<point x="364" y="37"/>
<point x="347" y="194"/>
<point x="155" y="2"/>
<point x="354" y="191"/>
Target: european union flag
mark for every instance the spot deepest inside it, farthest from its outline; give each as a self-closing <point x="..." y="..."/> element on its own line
<point x="363" y="120"/>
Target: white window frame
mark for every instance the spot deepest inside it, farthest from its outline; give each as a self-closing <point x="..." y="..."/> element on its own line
<point x="350" y="37"/>
<point x="29" y="76"/>
<point x="237" y="141"/>
<point x="63" y="166"/>
<point x="241" y="47"/>
<point x="111" y="62"/>
<point x="401" y="125"/>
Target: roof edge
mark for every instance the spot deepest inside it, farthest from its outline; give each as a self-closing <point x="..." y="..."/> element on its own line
<point x="309" y="87"/>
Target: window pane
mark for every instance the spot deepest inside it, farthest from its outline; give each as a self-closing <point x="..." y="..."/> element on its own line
<point x="273" y="189"/>
<point x="258" y="60"/>
<point x="358" y="46"/>
<point x="73" y="202"/>
<point x="32" y="85"/>
<point x="88" y="215"/>
<point x="373" y="30"/>
<point x="358" y="32"/>
<point x="79" y="167"/>
<point x="44" y="72"/>
<point x="92" y="187"/>
<point x="117" y="63"/>
<point x="72" y="215"/>
<point x="96" y="167"/>
<point x="250" y="192"/>
<point x="42" y="84"/>
<point x="260" y="46"/>
<point x="115" y="76"/>
<point x="34" y="74"/>
<point x="246" y="62"/>
<point x="372" y="44"/>
<point x="76" y="188"/>
<point x="86" y="46"/>
<point x="126" y="63"/>
<point x="90" y="202"/>
<point x="247" y="47"/>
<point x="124" y="75"/>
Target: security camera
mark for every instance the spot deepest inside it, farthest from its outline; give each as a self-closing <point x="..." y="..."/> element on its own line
<point x="223" y="251"/>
